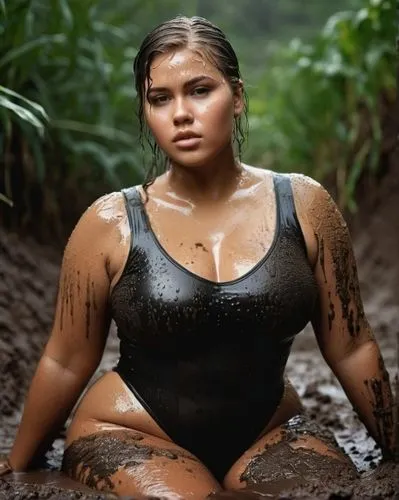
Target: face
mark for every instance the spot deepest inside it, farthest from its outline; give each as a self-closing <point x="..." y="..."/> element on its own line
<point x="191" y="108"/>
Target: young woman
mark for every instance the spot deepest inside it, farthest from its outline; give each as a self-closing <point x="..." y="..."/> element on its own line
<point x="209" y="270"/>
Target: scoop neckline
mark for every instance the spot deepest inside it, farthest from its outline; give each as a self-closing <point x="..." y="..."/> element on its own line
<point x="197" y="277"/>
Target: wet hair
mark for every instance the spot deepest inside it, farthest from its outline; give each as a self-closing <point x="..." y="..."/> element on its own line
<point x="200" y="35"/>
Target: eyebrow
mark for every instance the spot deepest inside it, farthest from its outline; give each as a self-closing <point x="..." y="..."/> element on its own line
<point x="190" y="83"/>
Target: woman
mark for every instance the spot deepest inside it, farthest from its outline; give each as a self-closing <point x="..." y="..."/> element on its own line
<point x="209" y="271"/>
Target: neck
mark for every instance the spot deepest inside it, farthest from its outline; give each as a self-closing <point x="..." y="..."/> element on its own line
<point x="215" y="181"/>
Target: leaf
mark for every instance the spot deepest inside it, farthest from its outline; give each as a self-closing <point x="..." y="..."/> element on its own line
<point x="102" y="131"/>
<point x="333" y="24"/>
<point x="3" y="7"/>
<point x="34" y="105"/>
<point x="36" y="150"/>
<point x="67" y="15"/>
<point x="361" y="16"/>
<point x="376" y="53"/>
<point x="23" y="113"/>
<point x="7" y="200"/>
<point x="27" y="47"/>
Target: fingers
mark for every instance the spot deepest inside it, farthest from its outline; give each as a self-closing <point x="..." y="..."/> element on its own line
<point x="5" y="467"/>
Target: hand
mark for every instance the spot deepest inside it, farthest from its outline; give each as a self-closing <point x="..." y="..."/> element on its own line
<point x="5" y="466"/>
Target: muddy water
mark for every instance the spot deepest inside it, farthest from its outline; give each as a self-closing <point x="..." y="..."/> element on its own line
<point x="28" y="277"/>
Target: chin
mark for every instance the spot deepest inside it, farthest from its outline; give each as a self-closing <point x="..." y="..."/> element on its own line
<point x="189" y="162"/>
<point x="190" y="165"/>
<point x="192" y="160"/>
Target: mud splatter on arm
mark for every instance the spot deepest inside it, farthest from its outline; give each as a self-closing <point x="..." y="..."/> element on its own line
<point x="341" y="327"/>
<point x="76" y="342"/>
<point x="82" y="316"/>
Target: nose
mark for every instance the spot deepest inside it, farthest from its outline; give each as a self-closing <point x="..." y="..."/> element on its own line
<point x="182" y="112"/>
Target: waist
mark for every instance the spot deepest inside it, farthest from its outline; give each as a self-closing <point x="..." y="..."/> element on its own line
<point x="212" y="390"/>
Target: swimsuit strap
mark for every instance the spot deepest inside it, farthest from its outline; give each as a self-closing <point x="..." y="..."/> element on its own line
<point x="288" y="218"/>
<point x="135" y="211"/>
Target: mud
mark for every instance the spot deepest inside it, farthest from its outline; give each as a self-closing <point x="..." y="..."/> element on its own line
<point x="28" y="285"/>
<point x="103" y="454"/>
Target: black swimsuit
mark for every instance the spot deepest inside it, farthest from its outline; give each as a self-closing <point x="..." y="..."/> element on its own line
<point x="207" y="359"/>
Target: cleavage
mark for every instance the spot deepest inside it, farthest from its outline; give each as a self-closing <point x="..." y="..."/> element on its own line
<point x="219" y="249"/>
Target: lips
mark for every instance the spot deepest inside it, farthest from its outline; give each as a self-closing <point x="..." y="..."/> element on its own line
<point x="187" y="140"/>
<point x="185" y="136"/>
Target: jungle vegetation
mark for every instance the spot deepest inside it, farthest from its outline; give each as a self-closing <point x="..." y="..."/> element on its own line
<point x="320" y="78"/>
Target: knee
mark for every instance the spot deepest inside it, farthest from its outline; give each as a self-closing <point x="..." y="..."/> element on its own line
<point x="231" y="480"/>
<point x="234" y="479"/>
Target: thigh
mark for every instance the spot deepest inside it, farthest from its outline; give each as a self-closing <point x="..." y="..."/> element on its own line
<point x="132" y="463"/>
<point x="297" y="453"/>
<point x="110" y="400"/>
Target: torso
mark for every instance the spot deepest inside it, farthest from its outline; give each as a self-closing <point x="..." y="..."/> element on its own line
<point x="190" y="236"/>
<point x="216" y="244"/>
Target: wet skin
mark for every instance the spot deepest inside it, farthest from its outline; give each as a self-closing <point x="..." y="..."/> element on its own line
<point x="199" y="213"/>
<point x="110" y="406"/>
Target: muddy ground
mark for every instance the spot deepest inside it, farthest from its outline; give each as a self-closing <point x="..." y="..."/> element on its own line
<point x="28" y="280"/>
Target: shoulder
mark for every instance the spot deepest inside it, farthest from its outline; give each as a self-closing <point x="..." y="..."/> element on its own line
<point x="305" y="188"/>
<point x="318" y="215"/>
<point x="315" y="205"/>
<point x="103" y="211"/>
<point x="98" y="222"/>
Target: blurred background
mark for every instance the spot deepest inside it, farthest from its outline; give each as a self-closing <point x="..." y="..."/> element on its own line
<point x="321" y="80"/>
<point x="320" y="77"/>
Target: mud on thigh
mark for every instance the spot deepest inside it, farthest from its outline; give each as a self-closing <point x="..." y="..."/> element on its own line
<point x="97" y="459"/>
<point x="304" y="453"/>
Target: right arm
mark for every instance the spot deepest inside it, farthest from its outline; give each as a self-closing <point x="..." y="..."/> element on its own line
<point x="77" y="339"/>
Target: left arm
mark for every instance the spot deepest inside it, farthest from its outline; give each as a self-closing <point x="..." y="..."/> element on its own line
<point x="341" y="328"/>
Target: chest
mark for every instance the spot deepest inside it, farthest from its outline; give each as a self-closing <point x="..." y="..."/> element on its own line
<point x="217" y="245"/>
<point x="167" y="307"/>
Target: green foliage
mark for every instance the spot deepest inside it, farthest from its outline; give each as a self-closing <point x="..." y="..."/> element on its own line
<point x="268" y="21"/>
<point x="72" y="60"/>
<point x="317" y="108"/>
<point x="16" y="109"/>
<point x="67" y="108"/>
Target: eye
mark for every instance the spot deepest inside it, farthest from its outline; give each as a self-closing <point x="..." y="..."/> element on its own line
<point x="159" y="100"/>
<point x="200" y="91"/>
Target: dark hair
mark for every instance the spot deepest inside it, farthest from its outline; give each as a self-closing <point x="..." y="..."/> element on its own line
<point x="196" y="33"/>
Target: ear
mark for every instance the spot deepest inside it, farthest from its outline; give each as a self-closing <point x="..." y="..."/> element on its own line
<point x="238" y="97"/>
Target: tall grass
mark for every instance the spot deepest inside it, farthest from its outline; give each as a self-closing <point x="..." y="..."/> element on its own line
<point x="67" y="101"/>
<point x="72" y="58"/>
